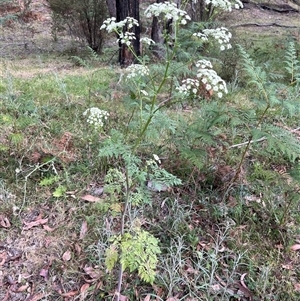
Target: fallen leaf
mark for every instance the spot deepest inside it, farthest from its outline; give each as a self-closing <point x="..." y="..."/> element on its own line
<point x="48" y="229"/>
<point x="67" y="255"/>
<point x="172" y="299"/>
<point x="147" y="298"/>
<point x="242" y="281"/>
<point x="295" y="247"/>
<point x="35" y="223"/>
<point x="287" y="266"/>
<point x="69" y="294"/>
<point x="84" y="287"/>
<point x="83" y="230"/>
<point x="93" y="273"/>
<point x="44" y="273"/>
<point x="90" y="198"/>
<point x="77" y="249"/>
<point x="3" y="257"/>
<point x="297" y="287"/>
<point x="23" y="288"/>
<point x="36" y="297"/>
<point x="4" y="222"/>
<point x="123" y="298"/>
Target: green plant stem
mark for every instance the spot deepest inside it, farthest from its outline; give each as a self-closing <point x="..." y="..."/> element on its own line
<point x="127" y="195"/>
<point x="153" y="110"/>
<point x="154" y="101"/>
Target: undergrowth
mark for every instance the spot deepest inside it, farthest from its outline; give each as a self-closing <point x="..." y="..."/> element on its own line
<point x="159" y="194"/>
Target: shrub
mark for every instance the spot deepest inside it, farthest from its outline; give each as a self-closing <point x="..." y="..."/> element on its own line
<point x="82" y="18"/>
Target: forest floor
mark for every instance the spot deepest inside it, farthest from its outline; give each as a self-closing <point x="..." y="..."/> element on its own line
<point x="31" y="244"/>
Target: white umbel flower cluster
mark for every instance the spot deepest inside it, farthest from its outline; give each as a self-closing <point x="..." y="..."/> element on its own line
<point x="136" y="70"/>
<point x="189" y="86"/>
<point x="126" y="37"/>
<point x="210" y="78"/>
<point x="221" y="35"/>
<point x="96" y="117"/>
<point x="111" y="25"/>
<point x="225" y="4"/>
<point x="147" y="41"/>
<point x="169" y="11"/>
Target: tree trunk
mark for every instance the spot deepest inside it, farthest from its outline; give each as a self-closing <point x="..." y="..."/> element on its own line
<point x="158" y="32"/>
<point x="128" y="8"/>
<point x="111" y="5"/>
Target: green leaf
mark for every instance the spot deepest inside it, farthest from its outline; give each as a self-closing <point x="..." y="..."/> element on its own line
<point x="49" y="181"/>
<point x="139" y="252"/>
<point x="59" y="191"/>
<point x="111" y="257"/>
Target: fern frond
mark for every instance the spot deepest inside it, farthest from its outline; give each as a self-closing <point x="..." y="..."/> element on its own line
<point x="92" y="54"/>
<point x="159" y="178"/>
<point x="256" y="75"/>
<point x="292" y="65"/>
<point x="295" y="173"/>
<point x="79" y="61"/>
<point x="195" y="156"/>
<point x="281" y="142"/>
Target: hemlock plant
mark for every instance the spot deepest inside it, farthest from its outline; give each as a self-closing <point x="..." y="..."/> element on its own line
<point x="134" y="248"/>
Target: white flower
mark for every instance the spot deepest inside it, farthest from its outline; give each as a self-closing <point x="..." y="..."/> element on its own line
<point x="156" y="158"/>
<point x="126" y="38"/>
<point x="210" y="78"/>
<point x="168" y="11"/>
<point x="224" y="4"/>
<point x="136" y="70"/>
<point x="95" y="117"/>
<point x="147" y="41"/>
<point x="111" y="25"/>
<point x="189" y="86"/>
<point x="221" y="35"/>
<point x="203" y="64"/>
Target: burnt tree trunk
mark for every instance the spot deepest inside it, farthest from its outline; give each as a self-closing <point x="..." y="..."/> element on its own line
<point x="128" y="8"/>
